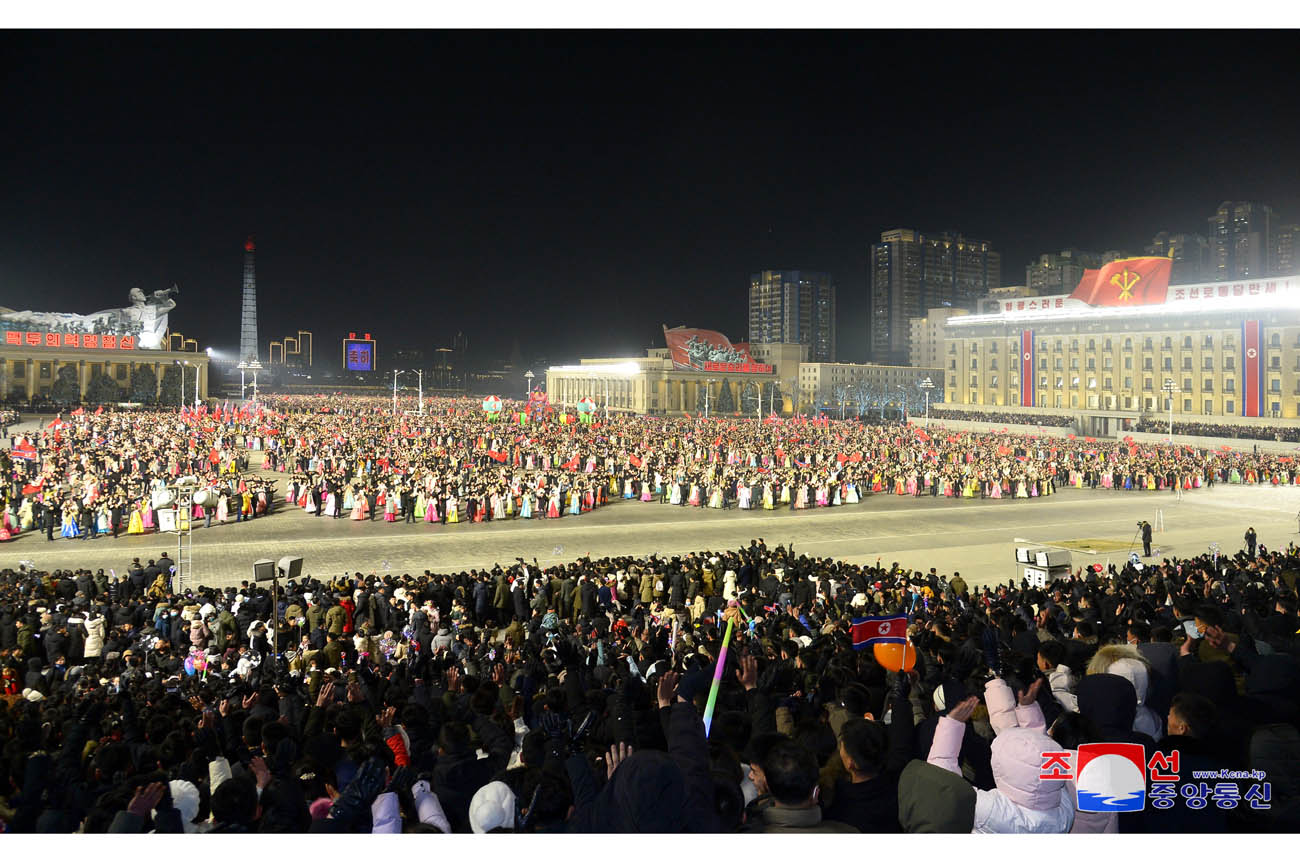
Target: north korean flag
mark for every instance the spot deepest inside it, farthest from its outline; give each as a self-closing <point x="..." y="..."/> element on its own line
<point x="879" y="629"/>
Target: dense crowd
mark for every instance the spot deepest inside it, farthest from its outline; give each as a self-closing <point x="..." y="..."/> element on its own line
<point x="1277" y="433"/>
<point x="100" y="473"/>
<point x="109" y="473"/>
<point x="993" y="417"/>
<point x="569" y="699"/>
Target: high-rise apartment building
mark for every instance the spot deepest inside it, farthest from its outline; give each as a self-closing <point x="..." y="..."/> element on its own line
<point x="912" y="272"/>
<point x="794" y="306"/>
<point x="1191" y="255"/>
<point x="1241" y="238"/>
<point x="1059" y="273"/>
<point x="1286" y="251"/>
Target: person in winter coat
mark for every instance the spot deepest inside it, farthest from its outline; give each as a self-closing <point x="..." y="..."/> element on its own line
<point x="95" y="625"/>
<point x="647" y="586"/>
<point x="335" y="618"/>
<point x="1109" y="701"/>
<point x="933" y="800"/>
<point x="1021" y="802"/>
<point x="1127" y="662"/>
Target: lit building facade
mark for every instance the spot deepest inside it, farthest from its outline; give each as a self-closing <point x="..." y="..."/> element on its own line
<point x="794" y="306"/>
<point x="912" y="272"/>
<point x="1190" y="255"/>
<point x="1241" y="237"/>
<point x="925" y="341"/>
<point x="1059" y="273"/>
<point x="1225" y="349"/>
<point x="653" y="385"/>
<point x="852" y="385"/>
<point x="29" y="369"/>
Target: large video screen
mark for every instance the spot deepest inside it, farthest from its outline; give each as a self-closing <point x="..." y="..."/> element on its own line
<point x="359" y="355"/>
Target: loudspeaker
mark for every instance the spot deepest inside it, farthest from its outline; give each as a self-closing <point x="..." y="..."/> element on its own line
<point x="291" y="566"/>
<point x="1048" y="558"/>
<point x="264" y="570"/>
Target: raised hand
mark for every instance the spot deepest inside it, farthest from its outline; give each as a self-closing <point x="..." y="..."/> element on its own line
<point x="964" y="710"/>
<point x="1029" y="695"/>
<point x="668" y="688"/>
<point x="748" y="673"/>
<point x="325" y="695"/>
<point x="145" y="799"/>
<point x="617" y="754"/>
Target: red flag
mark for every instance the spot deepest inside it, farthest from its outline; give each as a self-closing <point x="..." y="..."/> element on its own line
<point x="843" y="458"/>
<point x="29" y="489"/>
<point x="571" y="465"/>
<point x="78" y="411"/>
<point x="99" y="411"/>
<point x="1126" y="282"/>
<point x="635" y="461"/>
<point x="855" y="457"/>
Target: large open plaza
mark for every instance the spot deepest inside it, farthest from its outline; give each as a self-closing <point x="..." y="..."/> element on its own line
<point x="973" y="536"/>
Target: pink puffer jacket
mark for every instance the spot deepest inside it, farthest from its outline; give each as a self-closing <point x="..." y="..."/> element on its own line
<point x="1021" y="803"/>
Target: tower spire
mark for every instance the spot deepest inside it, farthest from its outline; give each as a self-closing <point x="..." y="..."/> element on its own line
<point x="248" y="315"/>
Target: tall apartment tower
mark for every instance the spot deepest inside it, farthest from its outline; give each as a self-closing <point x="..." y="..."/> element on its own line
<point x="794" y="306"/>
<point x="1286" y="251"/>
<point x="1058" y="274"/>
<point x="1241" y="239"/>
<point x="1190" y="254"/>
<point x="248" y="311"/>
<point x="912" y="272"/>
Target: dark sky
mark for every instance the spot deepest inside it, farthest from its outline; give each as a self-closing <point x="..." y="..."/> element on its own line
<point x="573" y="191"/>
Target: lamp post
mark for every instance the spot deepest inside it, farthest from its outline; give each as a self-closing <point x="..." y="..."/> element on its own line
<point x="606" y="381"/>
<point x="926" y="386"/>
<point x="1170" y="391"/>
<point x="529" y="377"/>
<point x="420" y="373"/>
<point x="396" y="373"/>
<point x="242" y="367"/>
<point x="708" y="386"/>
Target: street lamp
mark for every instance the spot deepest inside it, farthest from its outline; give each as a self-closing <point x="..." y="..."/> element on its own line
<point x="182" y="365"/>
<point x="708" y="386"/>
<point x="529" y="377"/>
<point x="396" y="373"/>
<point x="1170" y="391"/>
<point x="926" y="386"/>
<point x="420" y="373"/>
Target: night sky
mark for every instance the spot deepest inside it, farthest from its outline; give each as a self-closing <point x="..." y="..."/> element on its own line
<point x="574" y="191"/>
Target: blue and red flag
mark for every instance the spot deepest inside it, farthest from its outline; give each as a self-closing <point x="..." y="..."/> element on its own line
<point x="879" y="629"/>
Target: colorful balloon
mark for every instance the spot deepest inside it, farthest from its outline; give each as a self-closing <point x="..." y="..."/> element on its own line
<point x="895" y="656"/>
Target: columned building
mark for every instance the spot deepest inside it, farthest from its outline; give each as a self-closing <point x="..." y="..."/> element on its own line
<point x="30" y="363"/>
<point x="1210" y="352"/>
<point x="653" y="386"/>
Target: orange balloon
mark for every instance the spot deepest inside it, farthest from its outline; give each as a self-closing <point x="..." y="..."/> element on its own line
<point x="895" y="656"/>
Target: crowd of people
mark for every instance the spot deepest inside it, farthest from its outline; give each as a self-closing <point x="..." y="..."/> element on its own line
<point x="1276" y="433"/>
<point x="994" y="417"/>
<point x="98" y="474"/>
<point x="570" y="698"/>
<point x="95" y="473"/>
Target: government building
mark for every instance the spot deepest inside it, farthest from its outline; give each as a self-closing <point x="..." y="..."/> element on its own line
<point x="30" y="362"/>
<point x="1212" y="352"/>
